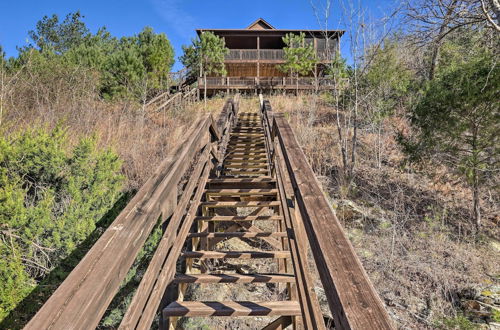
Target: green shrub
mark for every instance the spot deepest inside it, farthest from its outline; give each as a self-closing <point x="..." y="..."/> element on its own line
<point x="51" y="196"/>
<point x="459" y="322"/>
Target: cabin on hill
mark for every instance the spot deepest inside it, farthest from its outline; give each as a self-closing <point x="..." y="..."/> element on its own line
<point x="256" y="52"/>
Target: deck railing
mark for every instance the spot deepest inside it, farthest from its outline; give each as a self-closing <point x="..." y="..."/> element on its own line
<point x="267" y="55"/>
<point x="267" y="82"/>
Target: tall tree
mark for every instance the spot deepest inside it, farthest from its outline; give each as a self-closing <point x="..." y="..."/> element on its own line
<point x="300" y="58"/>
<point x="158" y="57"/>
<point x="208" y="53"/>
<point x="457" y="119"/>
<point x="59" y="36"/>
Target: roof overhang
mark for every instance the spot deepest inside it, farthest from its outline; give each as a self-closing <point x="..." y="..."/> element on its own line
<point x="271" y="33"/>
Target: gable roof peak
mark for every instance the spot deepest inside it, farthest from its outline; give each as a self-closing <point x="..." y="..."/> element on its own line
<point x="260" y="24"/>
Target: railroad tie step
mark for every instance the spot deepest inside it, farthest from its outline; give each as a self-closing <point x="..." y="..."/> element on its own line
<point x="236" y="254"/>
<point x="234" y="278"/>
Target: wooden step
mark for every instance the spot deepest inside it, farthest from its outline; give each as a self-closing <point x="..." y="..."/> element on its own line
<point x="244" y="135"/>
<point x="244" y="172"/>
<point x="236" y="254"/>
<point x="239" y="218"/>
<point x="238" y="130"/>
<point x="234" y="278"/>
<point x="239" y="234"/>
<point x="232" y="308"/>
<point x="246" y="144"/>
<point x="244" y="165"/>
<point x="250" y="161"/>
<point x="247" y="147"/>
<point x="243" y="156"/>
<point x="252" y="170"/>
<point x="241" y="192"/>
<point x="260" y="182"/>
<point x="220" y="204"/>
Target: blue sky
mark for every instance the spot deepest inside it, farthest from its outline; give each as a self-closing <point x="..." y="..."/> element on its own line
<point x="176" y="18"/>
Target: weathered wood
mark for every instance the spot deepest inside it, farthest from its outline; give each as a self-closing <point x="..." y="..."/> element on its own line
<point x="311" y="311"/>
<point x="241" y="192"/>
<point x="236" y="254"/>
<point x="143" y="292"/>
<point x="234" y="278"/>
<point x="240" y="218"/>
<point x="240" y="234"/>
<point x="81" y="300"/>
<point x="231" y="308"/>
<point x="351" y="296"/>
<point x="279" y="324"/>
<point x="219" y="204"/>
<point x="168" y="270"/>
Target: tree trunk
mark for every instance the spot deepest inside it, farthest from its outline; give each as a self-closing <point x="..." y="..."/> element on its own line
<point x="476" y="206"/>
<point x="440" y="36"/>
<point x="205" y="89"/>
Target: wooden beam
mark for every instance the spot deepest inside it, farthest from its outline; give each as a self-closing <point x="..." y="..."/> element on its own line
<point x="279" y="324"/>
<point x="231" y="308"/>
<point x="234" y="278"/>
<point x="236" y="254"/>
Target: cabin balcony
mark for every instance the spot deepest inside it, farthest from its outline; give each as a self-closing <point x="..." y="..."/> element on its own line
<point x="302" y="83"/>
<point x="272" y="55"/>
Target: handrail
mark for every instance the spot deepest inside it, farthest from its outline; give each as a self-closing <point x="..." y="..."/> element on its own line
<point x="82" y="299"/>
<point x="166" y="100"/>
<point x="353" y="301"/>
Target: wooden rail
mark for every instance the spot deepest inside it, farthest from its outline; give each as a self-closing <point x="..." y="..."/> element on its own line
<point x="82" y="299"/>
<point x="266" y="83"/>
<point x="166" y="100"/>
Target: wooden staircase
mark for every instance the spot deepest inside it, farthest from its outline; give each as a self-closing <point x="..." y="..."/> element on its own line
<point x="235" y="205"/>
<point x="227" y="181"/>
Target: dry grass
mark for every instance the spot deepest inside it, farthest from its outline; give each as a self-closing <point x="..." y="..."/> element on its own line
<point x="140" y="138"/>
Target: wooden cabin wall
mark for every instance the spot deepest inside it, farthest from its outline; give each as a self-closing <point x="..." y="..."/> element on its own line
<point x="241" y="69"/>
<point x="250" y="70"/>
<point x="270" y="70"/>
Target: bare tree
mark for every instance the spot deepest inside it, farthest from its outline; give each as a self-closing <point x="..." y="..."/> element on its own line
<point x="432" y="21"/>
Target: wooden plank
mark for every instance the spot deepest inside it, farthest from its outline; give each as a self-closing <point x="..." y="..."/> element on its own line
<point x="246" y="161"/>
<point x="218" y="204"/>
<point x="351" y="296"/>
<point x="279" y="324"/>
<point x="236" y="254"/>
<point x="242" y="180"/>
<point x="240" y="234"/>
<point x="240" y="218"/>
<point x="234" y="278"/>
<point x="231" y="308"/>
<point x="168" y="270"/>
<point x="311" y="311"/>
<point x="81" y="300"/>
<point x="242" y="192"/>
<point x="143" y="292"/>
<point x="245" y="166"/>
